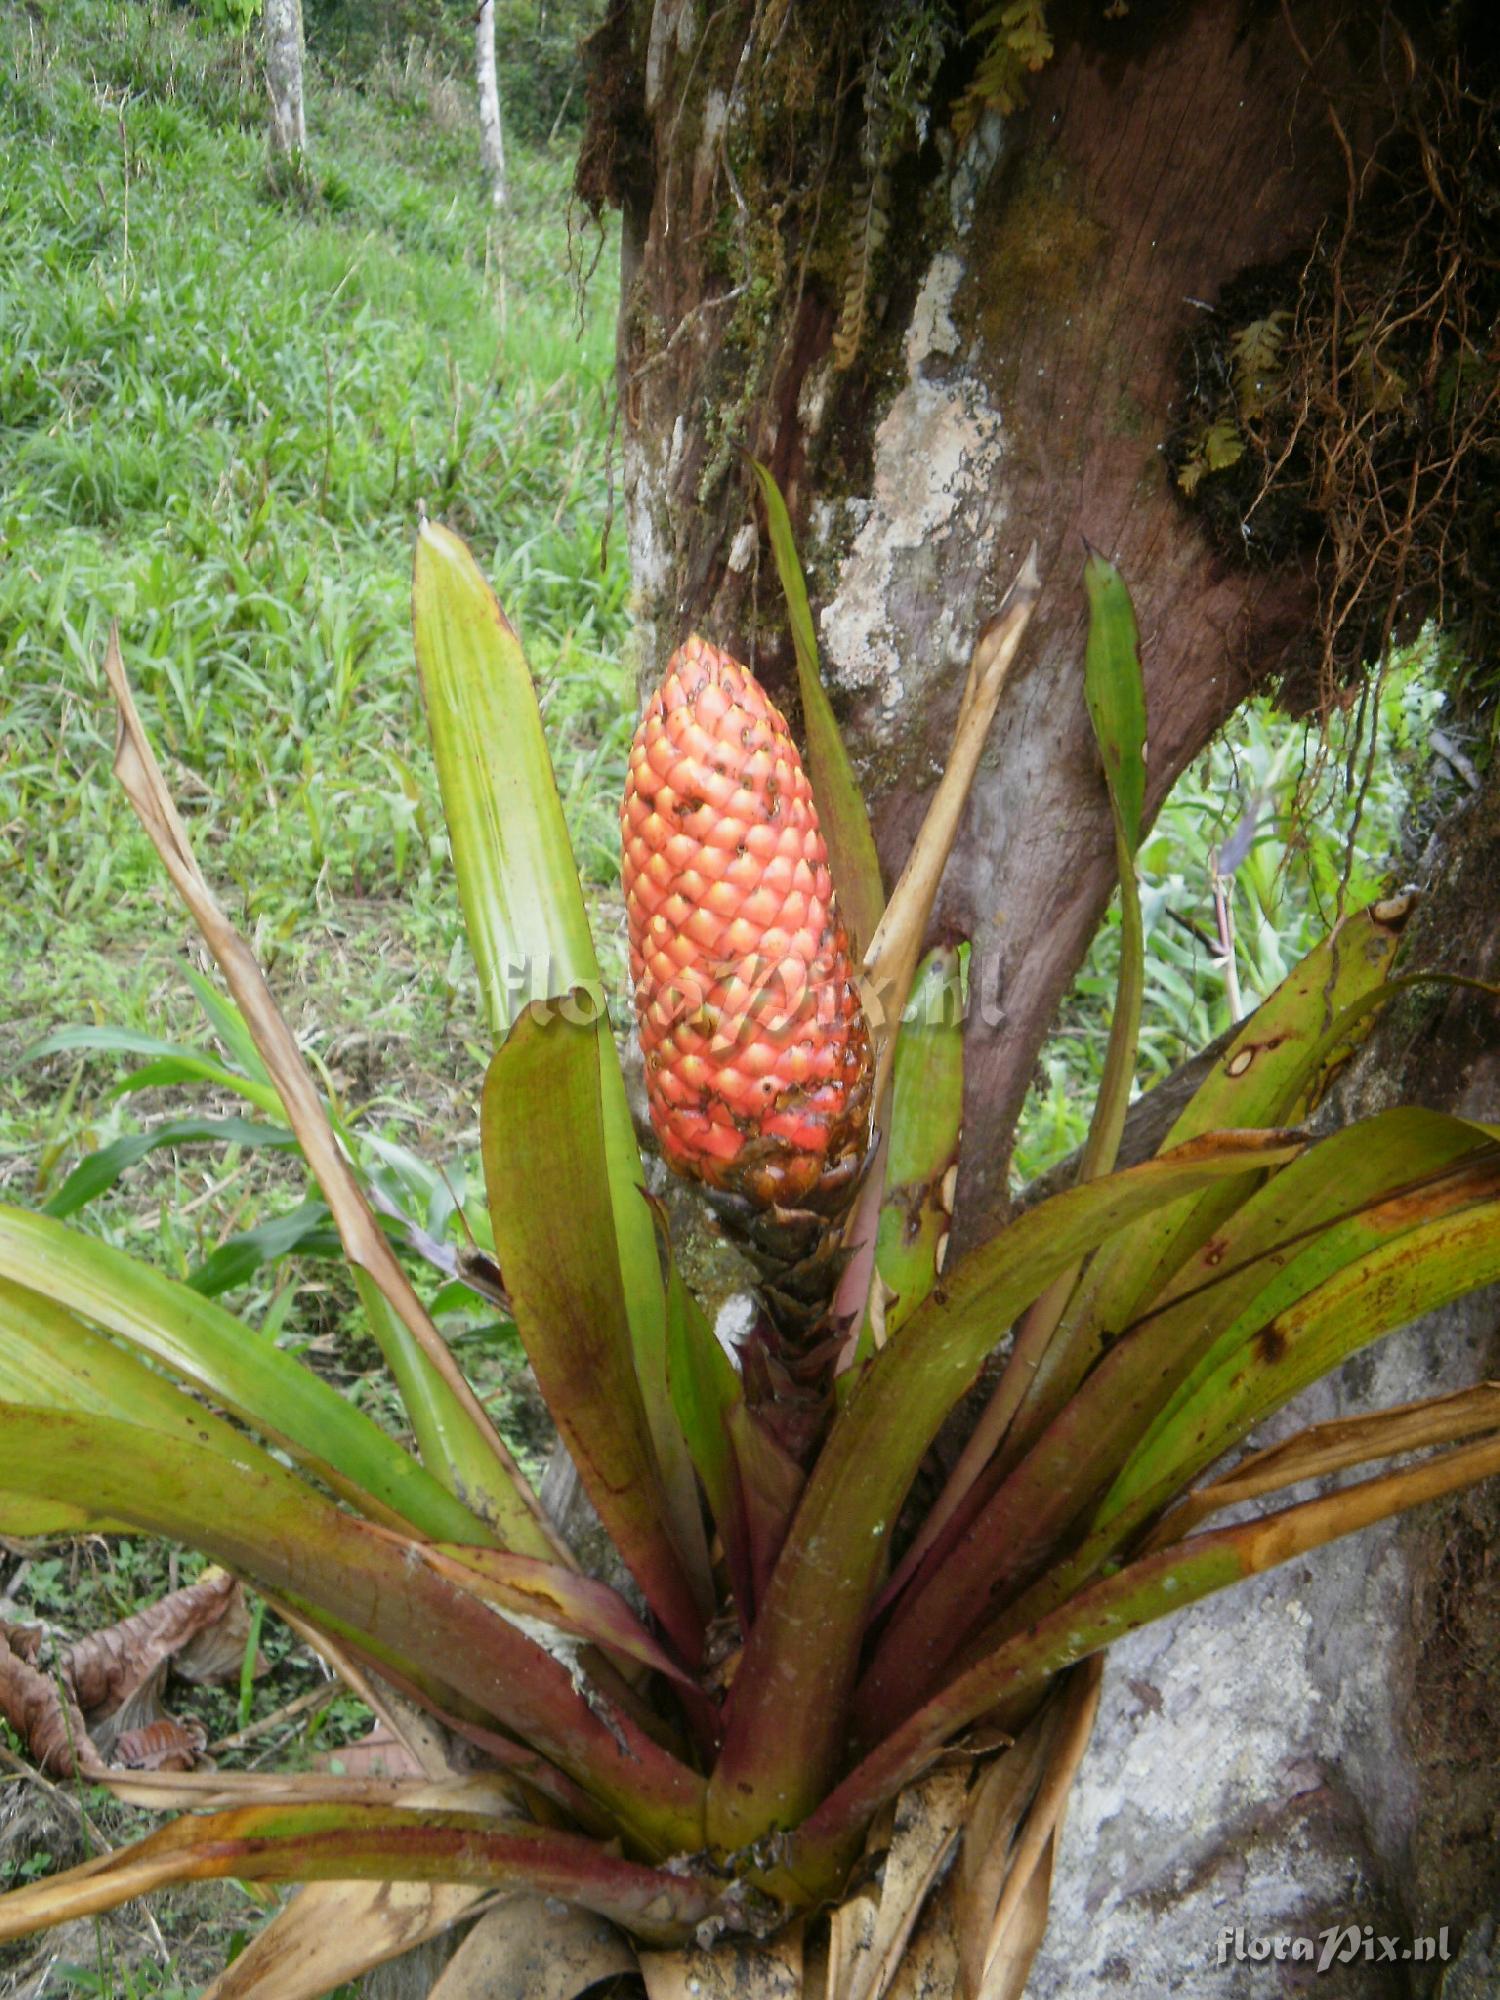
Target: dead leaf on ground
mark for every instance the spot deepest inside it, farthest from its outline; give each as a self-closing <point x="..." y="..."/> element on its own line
<point x="527" y="1948"/>
<point x="97" y="1703"/>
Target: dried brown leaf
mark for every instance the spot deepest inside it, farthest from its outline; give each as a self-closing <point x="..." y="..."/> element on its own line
<point x="39" y="1710"/>
<point x="928" y="1822"/>
<point x="381" y="1754"/>
<point x="163" y="1745"/>
<point x="733" y="1969"/>
<point x="331" y="1932"/>
<point x="108" y="1667"/>
<point x="528" y="1948"/>
<point x="1336" y="1447"/>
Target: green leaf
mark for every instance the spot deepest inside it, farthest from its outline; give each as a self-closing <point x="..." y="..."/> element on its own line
<point x="1323" y="1211"/>
<point x="853" y="862"/>
<point x="229" y="1024"/>
<point x="523" y="909"/>
<point x="97" y="1172"/>
<point x="444" y="1435"/>
<point x="787" y="1718"/>
<point x="173" y="1062"/>
<point x="354" y="1842"/>
<point x="542" y="1132"/>
<point x="1297" y="1330"/>
<point x="51" y="1360"/>
<point x="547" y="1594"/>
<point x="364" y="1586"/>
<point x="927" y="1102"/>
<point x="704" y="1387"/>
<point x="1115" y="691"/>
<point x="306" y="1230"/>
<point x="517" y="882"/>
<point x="169" y="1070"/>
<point x="201" y="1343"/>
<point x="1151" y="1588"/>
<point x="1272" y="1073"/>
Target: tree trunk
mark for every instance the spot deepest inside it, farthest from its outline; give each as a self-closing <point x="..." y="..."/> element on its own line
<point x="945" y="349"/>
<point x="491" y="133"/>
<point x="284" y="47"/>
<point x="943" y="355"/>
<point x="1319" y="1751"/>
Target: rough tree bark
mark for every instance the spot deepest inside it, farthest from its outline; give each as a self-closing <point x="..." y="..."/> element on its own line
<point x="944" y="351"/>
<point x="1014" y="378"/>
<point x="491" y="132"/>
<point x="284" y="49"/>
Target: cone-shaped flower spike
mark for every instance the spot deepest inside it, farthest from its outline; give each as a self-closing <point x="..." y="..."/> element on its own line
<point x="757" y="1053"/>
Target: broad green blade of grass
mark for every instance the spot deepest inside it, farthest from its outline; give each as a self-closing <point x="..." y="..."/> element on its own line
<point x="172" y="1062"/>
<point x="791" y="1687"/>
<point x="343" y="1843"/>
<point x="1358" y="1189"/>
<point x="1151" y="1588"/>
<point x="355" y="1580"/>
<point x="523" y="908"/>
<point x="845" y="820"/>
<point x="304" y="1231"/>
<point x="927" y="1106"/>
<point x="228" y="1024"/>
<point x="206" y="1346"/>
<point x="97" y="1172"/>
<point x="549" y="1195"/>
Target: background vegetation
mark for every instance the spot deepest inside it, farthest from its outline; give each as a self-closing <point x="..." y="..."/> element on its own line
<point x="218" y="417"/>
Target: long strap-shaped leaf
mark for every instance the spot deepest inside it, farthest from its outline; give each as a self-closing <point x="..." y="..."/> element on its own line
<point x="1269" y="1074"/>
<point x="459" y="1443"/>
<point x="549" y="1196"/>
<point x="528" y="930"/>
<point x="1263" y="1359"/>
<point x="853" y="862"/>
<point x="331" y="1843"/>
<point x="1146" y="1590"/>
<point x="787" y="1711"/>
<point x="264" y="1523"/>
<point x="1366" y="1185"/>
<point x="199" y="1342"/>
<point x="1115" y="691"/>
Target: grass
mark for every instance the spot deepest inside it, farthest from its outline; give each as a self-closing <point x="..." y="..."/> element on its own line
<point x="218" y="419"/>
<point x="1285" y="825"/>
<point x="219" y="415"/>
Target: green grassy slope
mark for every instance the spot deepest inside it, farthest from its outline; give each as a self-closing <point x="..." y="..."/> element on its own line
<point x="218" y="417"/>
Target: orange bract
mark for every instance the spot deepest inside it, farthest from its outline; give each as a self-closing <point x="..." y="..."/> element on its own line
<point x="757" y="1052"/>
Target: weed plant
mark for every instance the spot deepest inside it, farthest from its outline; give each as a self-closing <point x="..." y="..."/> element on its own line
<point x="218" y="418"/>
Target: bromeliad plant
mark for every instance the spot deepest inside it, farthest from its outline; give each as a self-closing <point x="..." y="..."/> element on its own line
<point x="811" y="1733"/>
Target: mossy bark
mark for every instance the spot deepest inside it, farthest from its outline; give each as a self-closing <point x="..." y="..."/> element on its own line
<point x="997" y="362"/>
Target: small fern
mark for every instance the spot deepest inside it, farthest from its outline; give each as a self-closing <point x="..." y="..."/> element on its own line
<point x="869" y="233"/>
<point x="1019" y="45"/>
